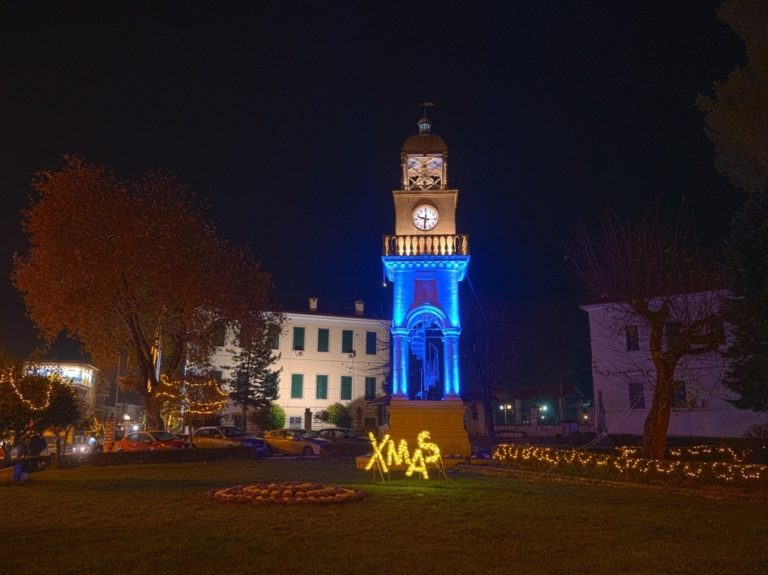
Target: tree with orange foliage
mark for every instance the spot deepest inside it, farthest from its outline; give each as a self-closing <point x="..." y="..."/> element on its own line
<point x="132" y="268"/>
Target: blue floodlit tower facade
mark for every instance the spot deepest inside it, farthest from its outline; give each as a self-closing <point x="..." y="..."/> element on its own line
<point x="425" y="260"/>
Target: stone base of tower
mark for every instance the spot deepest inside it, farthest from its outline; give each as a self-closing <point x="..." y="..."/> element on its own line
<point x="443" y="419"/>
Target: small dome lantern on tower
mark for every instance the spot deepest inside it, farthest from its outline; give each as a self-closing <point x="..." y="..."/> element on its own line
<point x="424" y="158"/>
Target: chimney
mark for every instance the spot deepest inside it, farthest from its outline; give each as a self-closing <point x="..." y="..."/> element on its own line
<point x="359" y="307"/>
<point x="313" y="304"/>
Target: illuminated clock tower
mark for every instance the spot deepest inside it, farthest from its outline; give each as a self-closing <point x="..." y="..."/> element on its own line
<point x="425" y="260"/>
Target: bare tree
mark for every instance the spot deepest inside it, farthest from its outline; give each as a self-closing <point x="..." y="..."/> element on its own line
<point x="651" y="269"/>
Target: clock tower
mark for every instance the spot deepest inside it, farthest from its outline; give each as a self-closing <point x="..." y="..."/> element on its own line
<point x="425" y="260"/>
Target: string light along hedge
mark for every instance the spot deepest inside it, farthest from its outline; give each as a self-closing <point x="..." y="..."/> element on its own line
<point x="285" y="493"/>
<point x="629" y="467"/>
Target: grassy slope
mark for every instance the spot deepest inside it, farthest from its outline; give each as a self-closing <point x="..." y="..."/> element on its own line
<point x="154" y="519"/>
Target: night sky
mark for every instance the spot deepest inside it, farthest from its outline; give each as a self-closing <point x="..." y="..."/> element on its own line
<point x="288" y="118"/>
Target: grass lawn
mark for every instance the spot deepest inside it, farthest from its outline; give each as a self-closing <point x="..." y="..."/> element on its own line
<point x="154" y="519"/>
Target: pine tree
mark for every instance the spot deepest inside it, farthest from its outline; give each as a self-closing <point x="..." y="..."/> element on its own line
<point x="255" y="386"/>
<point x="746" y="255"/>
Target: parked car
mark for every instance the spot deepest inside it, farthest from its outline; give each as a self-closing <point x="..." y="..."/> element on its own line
<point x="149" y="440"/>
<point x="344" y="435"/>
<point x="229" y="436"/>
<point x="294" y="441"/>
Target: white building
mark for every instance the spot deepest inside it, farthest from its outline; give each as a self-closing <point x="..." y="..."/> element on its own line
<point x="623" y="378"/>
<point x="325" y="359"/>
<point x="80" y="375"/>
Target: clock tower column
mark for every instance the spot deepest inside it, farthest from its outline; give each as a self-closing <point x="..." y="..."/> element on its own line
<point x="425" y="260"/>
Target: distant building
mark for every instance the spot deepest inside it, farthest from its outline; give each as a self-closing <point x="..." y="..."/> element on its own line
<point x="623" y="376"/>
<point x="80" y="375"/>
<point x="325" y="359"/>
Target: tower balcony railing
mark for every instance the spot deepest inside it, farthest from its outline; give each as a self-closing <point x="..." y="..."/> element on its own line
<point x="422" y="245"/>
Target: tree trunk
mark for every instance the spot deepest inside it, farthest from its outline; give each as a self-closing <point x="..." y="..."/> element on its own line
<point x="152" y="412"/>
<point x="657" y="422"/>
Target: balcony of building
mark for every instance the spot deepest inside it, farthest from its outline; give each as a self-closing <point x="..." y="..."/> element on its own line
<point x="426" y="245"/>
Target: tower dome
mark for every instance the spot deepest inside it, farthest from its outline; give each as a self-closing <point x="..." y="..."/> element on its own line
<point x="425" y="142"/>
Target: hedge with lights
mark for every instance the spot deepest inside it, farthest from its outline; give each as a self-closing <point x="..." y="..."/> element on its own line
<point x="627" y="466"/>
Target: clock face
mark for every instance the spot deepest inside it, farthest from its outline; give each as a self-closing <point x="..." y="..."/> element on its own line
<point x="425" y="217"/>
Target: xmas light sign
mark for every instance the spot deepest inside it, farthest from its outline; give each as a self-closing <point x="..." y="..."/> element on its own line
<point x="387" y="454"/>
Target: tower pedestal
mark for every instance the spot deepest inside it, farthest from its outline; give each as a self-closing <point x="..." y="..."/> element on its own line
<point x="443" y="419"/>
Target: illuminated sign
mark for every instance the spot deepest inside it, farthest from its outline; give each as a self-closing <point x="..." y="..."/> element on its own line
<point x="387" y="454"/>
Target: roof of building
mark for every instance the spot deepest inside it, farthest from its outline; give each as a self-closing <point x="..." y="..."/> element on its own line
<point x="425" y="143"/>
<point x="327" y="308"/>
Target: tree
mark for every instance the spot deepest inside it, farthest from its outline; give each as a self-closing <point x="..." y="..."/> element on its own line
<point x="132" y="268"/>
<point x="336" y="415"/>
<point x="31" y="402"/>
<point x="734" y="114"/>
<point x="193" y="400"/>
<point x="63" y="414"/>
<point x="271" y="417"/>
<point x="649" y="268"/>
<point x="737" y="123"/>
<point x="747" y="311"/>
<point x="255" y="385"/>
<point x="488" y="347"/>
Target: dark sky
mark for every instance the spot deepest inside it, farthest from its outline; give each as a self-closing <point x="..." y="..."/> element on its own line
<point x="288" y="118"/>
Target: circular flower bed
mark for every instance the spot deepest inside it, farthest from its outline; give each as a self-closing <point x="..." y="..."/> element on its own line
<point x="285" y="493"/>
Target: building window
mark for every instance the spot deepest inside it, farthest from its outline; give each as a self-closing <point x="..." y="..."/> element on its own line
<point x="322" y="339"/>
<point x="294" y="422"/>
<point x="297" y="385"/>
<point x="321" y="389"/>
<point x="636" y="396"/>
<point x="220" y="335"/>
<point x="274" y="338"/>
<point x="346" y="387"/>
<point x="370" y="343"/>
<point x="346" y="341"/>
<point x="680" y="400"/>
<point x="370" y="388"/>
<point x="298" y="338"/>
<point x="633" y="339"/>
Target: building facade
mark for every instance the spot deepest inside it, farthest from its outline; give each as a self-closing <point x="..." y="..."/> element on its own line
<point x="623" y="378"/>
<point x="324" y="359"/>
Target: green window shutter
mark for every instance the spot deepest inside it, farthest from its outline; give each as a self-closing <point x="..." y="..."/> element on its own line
<point x="346" y="341"/>
<point x="321" y="390"/>
<point x="370" y="388"/>
<point x="274" y="338"/>
<point x="370" y="343"/>
<point x="346" y="387"/>
<point x="298" y="338"/>
<point x="297" y="385"/>
<point x="322" y="339"/>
